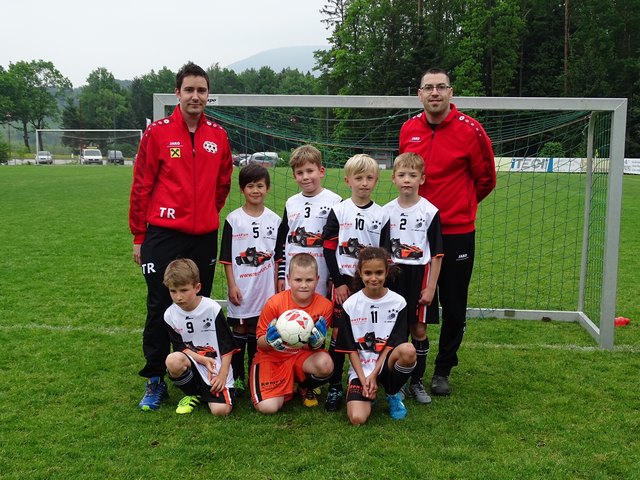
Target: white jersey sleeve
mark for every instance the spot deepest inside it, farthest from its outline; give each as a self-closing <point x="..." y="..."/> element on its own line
<point x="306" y="217"/>
<point x="358" y="227"/>
<point x="408" y="228"/>
<point x="249" y="246"/>
<point x="204" y="331"/>
<point x="372" y="325"/>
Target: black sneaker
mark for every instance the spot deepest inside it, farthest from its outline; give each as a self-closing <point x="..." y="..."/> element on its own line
<point x="334" y="399"/>
<point x="440" y="385"/>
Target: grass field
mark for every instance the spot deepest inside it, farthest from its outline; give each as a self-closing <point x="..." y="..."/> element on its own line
<point x="530" y="400"/>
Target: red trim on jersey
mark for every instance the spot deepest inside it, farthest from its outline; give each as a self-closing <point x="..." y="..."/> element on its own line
<point x="331" y="243"/>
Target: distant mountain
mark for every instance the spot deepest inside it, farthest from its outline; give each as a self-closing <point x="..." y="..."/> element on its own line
<point x="280" y="58"/>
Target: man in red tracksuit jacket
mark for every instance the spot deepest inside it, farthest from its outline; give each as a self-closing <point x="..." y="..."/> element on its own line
<point x="460" y="172"/>
<point x="181" y="180"/>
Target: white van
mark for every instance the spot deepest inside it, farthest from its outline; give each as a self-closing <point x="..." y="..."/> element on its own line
<point x="91" y="156"/>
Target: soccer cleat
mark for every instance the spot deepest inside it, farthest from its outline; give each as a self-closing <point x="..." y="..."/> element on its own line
<point x="334" y="399"/>
<point x="188" y="404"/>
<point x="440" y="385"/>
<point x="155" y="393"/>
<point x="419" y="393"/>
<point x="238" y="386"/>
<point x="404" y="393"/>
<point x="309" y="398"/>
<point x="397" y="410"/>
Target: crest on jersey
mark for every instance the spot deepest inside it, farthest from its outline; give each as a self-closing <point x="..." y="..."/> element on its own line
<point x="210" y="147"/>
<point x="174" y="152"/>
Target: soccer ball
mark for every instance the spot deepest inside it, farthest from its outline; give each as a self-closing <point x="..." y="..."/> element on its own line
<point x="294" y="327"/>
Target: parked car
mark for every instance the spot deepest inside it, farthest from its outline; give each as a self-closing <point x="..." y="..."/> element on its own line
<point x="266" y="159"/>
<point x="240" y="159"/>
<point x="91" y="156"/>
<point x="115" y="157"/>
<point x="45" y="157"/>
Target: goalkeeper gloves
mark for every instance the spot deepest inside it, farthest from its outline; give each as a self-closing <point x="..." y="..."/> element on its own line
<point x="273" y="338"/>
<point x="318" y="334"/>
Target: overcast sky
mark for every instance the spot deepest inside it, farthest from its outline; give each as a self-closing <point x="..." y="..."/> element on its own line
<point x="131" y="37"/>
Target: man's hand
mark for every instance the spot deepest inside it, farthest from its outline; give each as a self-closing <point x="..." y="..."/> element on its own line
<point x="137" y="249"/>
<point x="318" y="334"/>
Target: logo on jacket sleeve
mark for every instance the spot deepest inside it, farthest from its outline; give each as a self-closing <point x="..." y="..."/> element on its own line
<point x="174" y="152"/>
<point x="210" y="147"/>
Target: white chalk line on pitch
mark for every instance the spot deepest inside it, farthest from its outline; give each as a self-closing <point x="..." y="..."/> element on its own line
<point x="471" y="345"/>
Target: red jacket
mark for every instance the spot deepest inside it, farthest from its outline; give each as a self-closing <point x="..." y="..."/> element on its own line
<point x="178" y="184"/>
<point x="458" y="164"/>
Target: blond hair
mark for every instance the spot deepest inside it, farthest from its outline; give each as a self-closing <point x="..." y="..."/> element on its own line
<point x="361" y="163"/>
<point x="305" y="154"/>
<point x="303" y="260"/>
<point x="180" y="272"/>
<point x="409" y="160"/>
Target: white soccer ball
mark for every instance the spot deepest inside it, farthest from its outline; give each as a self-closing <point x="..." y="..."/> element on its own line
<point x="294" y="327"/>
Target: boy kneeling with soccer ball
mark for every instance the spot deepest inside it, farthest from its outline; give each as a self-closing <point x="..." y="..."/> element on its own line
<point x="290" y="347"/>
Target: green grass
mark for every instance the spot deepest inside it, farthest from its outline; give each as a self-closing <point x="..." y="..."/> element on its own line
<point x="531" y="399"/>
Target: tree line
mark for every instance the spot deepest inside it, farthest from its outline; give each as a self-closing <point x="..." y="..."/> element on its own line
<point x="536" y="48"/>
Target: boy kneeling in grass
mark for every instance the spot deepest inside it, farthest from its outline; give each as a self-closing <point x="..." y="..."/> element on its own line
<point x="203" y="344"/>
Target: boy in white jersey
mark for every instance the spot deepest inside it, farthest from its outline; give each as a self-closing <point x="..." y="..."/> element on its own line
<point x="374" y="334"/>
<point x="202" y="342"/>
<point x="416" y="246"/>
<point x="305" y="214"/>
<point x="247" y="253"/>
<point x="353" y="224"/>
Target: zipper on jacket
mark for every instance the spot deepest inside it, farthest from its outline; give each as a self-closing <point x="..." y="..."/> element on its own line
<point x="195" y="182"/>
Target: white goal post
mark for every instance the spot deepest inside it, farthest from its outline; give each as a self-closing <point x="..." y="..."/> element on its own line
<point x="603" y="169"/>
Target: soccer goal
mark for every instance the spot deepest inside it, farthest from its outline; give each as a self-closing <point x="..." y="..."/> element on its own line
<point x="67" y="144"/>
<point x="547" y="237"/>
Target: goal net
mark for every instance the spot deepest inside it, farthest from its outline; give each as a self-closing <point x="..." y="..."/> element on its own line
<point x="66" y="144"/>
<point x="547" y="237"/>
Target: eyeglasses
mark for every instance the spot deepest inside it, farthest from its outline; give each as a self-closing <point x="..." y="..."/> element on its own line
<point x="441" y="88"/>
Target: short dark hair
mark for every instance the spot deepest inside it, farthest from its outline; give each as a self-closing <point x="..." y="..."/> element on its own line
<point x="252" y="173"/>
<point x="190" y="69"/>
<point x="434" y="71"/>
